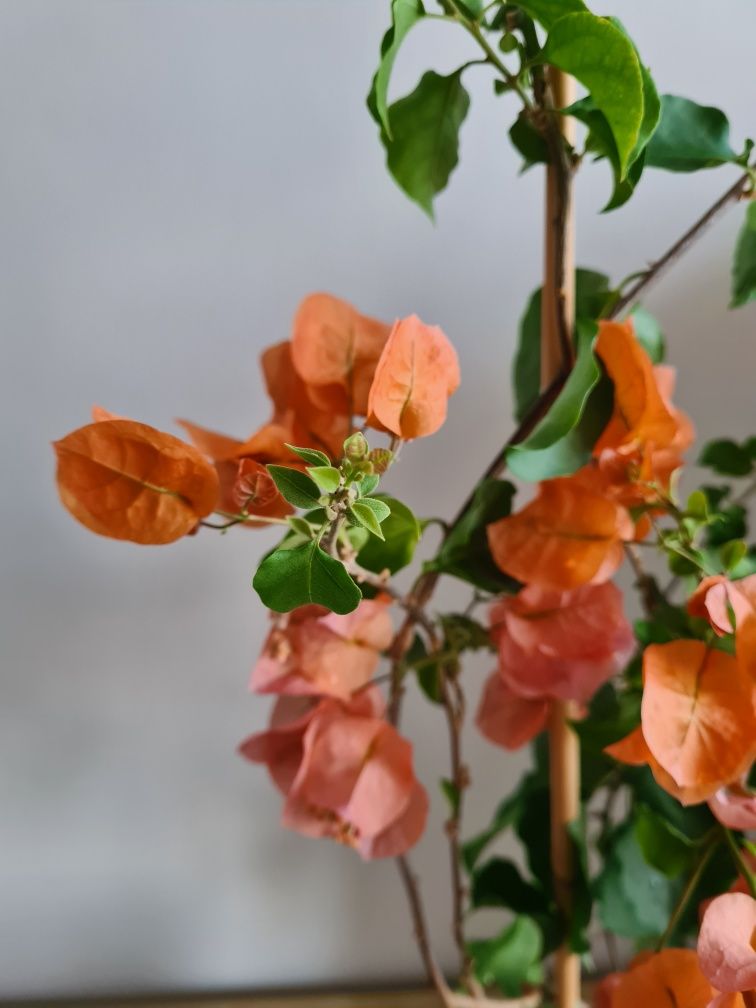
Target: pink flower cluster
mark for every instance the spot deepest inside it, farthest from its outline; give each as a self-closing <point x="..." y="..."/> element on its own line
<point x="551" y="645"/>
<point x="345" y="772"/>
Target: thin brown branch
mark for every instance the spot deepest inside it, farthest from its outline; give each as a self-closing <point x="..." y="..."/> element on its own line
<point x="654" y="271"/>
<point x="422" y="938"/>
<point x="649" y="591"/>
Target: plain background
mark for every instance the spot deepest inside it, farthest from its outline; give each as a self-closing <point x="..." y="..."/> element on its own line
<point x="175" y="175"/>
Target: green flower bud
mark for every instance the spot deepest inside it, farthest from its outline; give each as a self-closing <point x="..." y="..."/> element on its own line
<point x="356" y="447"/>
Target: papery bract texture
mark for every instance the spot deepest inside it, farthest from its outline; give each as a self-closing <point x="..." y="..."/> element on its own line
<point x="126" y="480"/>
<point x="669" y="978"/>
<point x="335" y="351"/>
<point x="697" y="713"/>
<point x="507" y="719"/>
<point x="356" y="784"/>
<point x="566" y="537"/>
<point x="417" y="372"/>
<point x="727" y="943"/>
<point x="317" y="652"/>
<point x="561" y="644"/>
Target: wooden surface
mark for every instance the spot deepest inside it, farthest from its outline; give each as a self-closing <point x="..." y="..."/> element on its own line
<point x="394" y="999"/>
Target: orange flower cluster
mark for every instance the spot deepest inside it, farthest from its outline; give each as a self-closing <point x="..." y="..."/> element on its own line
<point x="129" y="481"/>
<point x="345" y="771"/>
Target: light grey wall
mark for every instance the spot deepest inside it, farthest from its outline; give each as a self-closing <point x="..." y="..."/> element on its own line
<point x="174" y="176"/>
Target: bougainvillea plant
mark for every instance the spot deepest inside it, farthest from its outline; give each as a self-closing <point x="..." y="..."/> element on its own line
<point x="637" y="810"/>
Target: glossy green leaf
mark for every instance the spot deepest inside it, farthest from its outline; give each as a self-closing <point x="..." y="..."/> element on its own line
<point x="726" y="457"/>
<point x="546" y="12"/>
<point x="404" y="15"/>
<point x="290" y="578"/>
<point x="528" y="142"/>
<point x="689" y="137"/>
<point x="611" y="716"/>
<point x="423" y="148"/>
<point x="648" y="333"/>
<point x="557" y="445"/>
<point x="604" y="60"/>
<point x="510" y="960"/>
<point x="692" y="821"/>
<point x="464" y="553"/>
<point x="401" y="531"/>
<point x="744" y="263"/>
<point x="327" y="478"/>
<point x="634" y="899"/>
<point x="592" y="296"/>
<point x="310" y="455"/>
<point x="295" y="487"/>
<point x="498" y="883"/>
<point x="365" y="516"/>
<point x="662" y="846"/>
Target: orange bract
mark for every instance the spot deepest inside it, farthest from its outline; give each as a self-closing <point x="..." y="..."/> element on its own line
<point x="335" y="351"/>
<point x="568" y="536"/>
<point x="640" y="412"/>
<point x="415" y="376"/>
<point x="129" y="481"/>
<point x="697" y="714"/>
<point x="671" y="977"/>
<point x="633" y="750"/>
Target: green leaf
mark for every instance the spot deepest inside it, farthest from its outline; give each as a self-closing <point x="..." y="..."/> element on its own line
<point x="546" y="12"/>
<point x="648" y="333"/>
<point x="611" y="716"/>
<point x="379" y="507"/>
<point x="300" y="526"/>
<point x="634" y="899"/>
<point x="602" y="58"/>
<point x="510" y="960"/>
<point x="498" y="883"/>
<point x="733" y="553"/>
<point x="401" y="532"/>
<point x="452" y="794"/>
<point x="505" y="816"/>
<point x="529" y="142"/>
<point x="464" y="553"/>
<point x="290" y="578"/>
<point x="404" y="15"/>
<point x="559" y="444"/>
<point x="310" y="455"/>
<point x="744" y="264"/>
<point x="423" y="147"/>
<point x="328" y="478"/>
<point x="689" y="137"/>
<point x="461" y="633"/>
<point x="294" y="486"/>
<point x="662" y="846"/>
<point x="726" y="458"/>
<point x="368" y="483"/>
<point x="366" y="517"/>
<point x="692" y="821"/>
<point x="592" y="295"/>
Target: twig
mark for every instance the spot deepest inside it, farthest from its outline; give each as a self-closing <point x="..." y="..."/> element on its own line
<point x="648" y="589"/>
<point x="687" y="894"/>
<point x="741" y="863"/>
<point x="435" y="976"/>
<point x="653" y="272"/>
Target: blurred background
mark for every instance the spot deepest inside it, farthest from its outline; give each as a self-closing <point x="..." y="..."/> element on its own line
<point x="175" y="176"/>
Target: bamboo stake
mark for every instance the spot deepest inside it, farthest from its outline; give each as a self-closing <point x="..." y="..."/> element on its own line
<point x="557" y="319"/>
